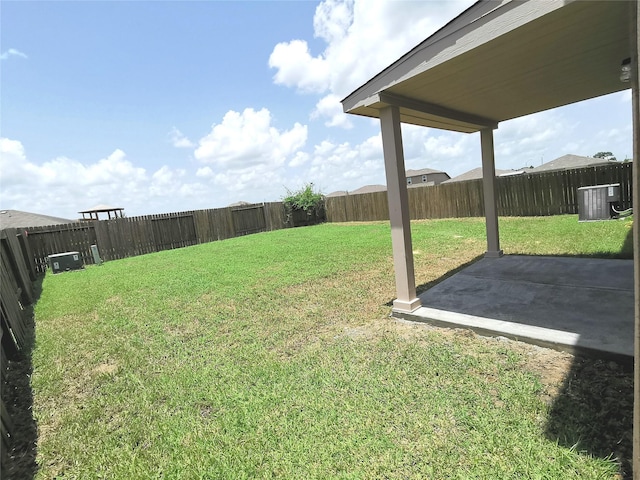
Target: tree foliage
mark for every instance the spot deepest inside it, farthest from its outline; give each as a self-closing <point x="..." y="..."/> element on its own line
<point x="605" y="156"/>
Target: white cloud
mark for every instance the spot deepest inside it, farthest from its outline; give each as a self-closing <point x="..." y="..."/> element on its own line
<point x="255" y="183"/>
<point x="248" y="158"/>
<point x="12" y="52"/>
<point x="450" y="152"/>
<point x="205" y="172"/>
<point x="18" y="171"/>
<point x="361" y="38"/>
<point x="178" y="139"/>
<point x="330" y="107"/>
<point x="583" y="128"/>
<point x="332" y="20"/>
<point x="527" y="141"/>
<point x="297" y="68"/>
<point x="64" y="186"/>
<point x="341" y="166"/>
<point x="246" y="140"/>
<point x="300" y="158"/>
<point x="166" y="181"/>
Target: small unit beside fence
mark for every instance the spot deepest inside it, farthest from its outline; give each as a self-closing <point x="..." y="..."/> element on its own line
<point x="598" y="202"/>
<point x="63" y="262"/>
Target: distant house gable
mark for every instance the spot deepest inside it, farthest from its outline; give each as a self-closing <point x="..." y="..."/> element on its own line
<point x="19" y="219"/>
<point x="337" y="193"/>
<point x="369" y="189"/>
<point x="569" y="162"/>
<point x="476" y="174"/>
<point x="426" y="176"/>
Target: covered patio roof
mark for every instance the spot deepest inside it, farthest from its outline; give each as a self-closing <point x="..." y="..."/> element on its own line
<point x="500" y="60"/>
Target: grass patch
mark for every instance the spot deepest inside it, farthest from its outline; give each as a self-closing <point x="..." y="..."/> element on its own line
<point x="272" y="355"/>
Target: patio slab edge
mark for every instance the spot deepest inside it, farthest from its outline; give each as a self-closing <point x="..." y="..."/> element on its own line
<point x="543" y="337"/>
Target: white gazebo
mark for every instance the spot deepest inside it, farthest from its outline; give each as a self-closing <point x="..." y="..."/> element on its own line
<point x="499" y="60"/>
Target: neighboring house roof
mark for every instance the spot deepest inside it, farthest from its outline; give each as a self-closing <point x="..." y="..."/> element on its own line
<point x="18" y="219"/>
<point x="241" y="203"/>
<point x="568" y="162"/>
<point x="369" y="189"/>
<point x="475" y="174"/>
<point x="511" y="173"/>
<point x="337" y="193"/>
<point x="423" y="171"/>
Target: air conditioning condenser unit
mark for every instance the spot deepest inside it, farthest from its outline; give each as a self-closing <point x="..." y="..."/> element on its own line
<point x="597" y="202"/>
<point x="63" y="262"/>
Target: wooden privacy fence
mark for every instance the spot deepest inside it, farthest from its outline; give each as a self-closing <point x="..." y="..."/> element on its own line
<point x="23" y="255"/>
<point x="17" y="274"/>
<point x="126" y="237"/>
<point x="551" y="193"/>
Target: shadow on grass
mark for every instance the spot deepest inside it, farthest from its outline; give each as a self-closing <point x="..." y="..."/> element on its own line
<point x="593" y="412"/>
<point x="20" y="462"/>
<point x="626" y="251"/>
<point x="426" y="286"/>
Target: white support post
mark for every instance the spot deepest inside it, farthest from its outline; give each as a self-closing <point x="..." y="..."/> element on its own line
<point x="407" y="300"/>
<point x="490" y="194"/>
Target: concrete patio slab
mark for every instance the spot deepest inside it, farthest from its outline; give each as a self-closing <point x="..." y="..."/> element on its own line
<point x="580" y="305"/>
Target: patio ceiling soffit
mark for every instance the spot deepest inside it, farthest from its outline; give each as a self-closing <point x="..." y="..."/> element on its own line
<point x="501" y="60"/>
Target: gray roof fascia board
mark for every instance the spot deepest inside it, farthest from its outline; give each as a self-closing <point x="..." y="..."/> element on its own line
<point x="481" y="23"/>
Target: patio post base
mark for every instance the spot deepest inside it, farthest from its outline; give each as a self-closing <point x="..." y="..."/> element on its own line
<point x="404" y="306"/>
<point x="494" y="254"/>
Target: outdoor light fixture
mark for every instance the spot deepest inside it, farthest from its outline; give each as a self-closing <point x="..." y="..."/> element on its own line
<point x="625" y="70"/>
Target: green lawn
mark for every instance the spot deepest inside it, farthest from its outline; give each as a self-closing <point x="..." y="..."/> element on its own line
<point x="272" y="355"/>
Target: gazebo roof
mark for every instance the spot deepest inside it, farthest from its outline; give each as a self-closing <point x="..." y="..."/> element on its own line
<point x="504" y="59"/>
<point x="101" y="208"/>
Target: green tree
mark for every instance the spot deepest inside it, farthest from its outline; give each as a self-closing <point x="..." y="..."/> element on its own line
<point x="605" y="156"/>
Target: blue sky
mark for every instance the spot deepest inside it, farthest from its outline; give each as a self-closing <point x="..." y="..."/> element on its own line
<point x="169" y="106"/>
